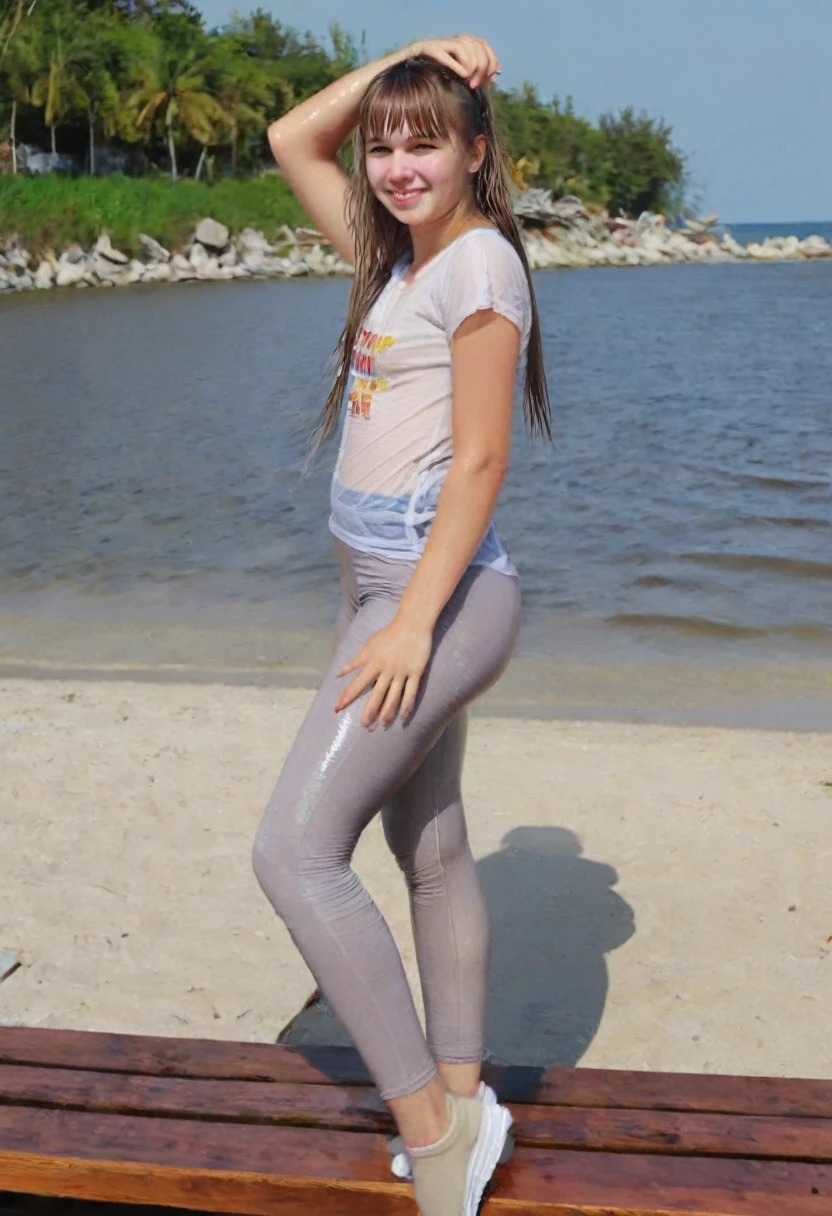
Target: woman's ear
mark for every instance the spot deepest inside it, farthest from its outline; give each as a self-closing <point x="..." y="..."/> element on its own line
<point x="478" y="150"/>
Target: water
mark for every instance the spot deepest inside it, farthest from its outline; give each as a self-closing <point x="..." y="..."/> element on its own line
<point x="151" y="441"/>
<point x="748" y="233"/>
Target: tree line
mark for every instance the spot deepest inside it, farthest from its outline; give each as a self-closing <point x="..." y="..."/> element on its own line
<point x="147" y="80"/>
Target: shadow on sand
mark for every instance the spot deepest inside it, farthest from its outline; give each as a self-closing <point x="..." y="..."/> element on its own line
<point x="555" y="917"/>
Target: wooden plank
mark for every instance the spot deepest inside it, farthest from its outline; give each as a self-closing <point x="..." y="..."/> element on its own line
<point x="292" y="1171"/>
<point x="360" y="1109"/>
<point x="683" y="1092"/>
<point x="170" y="1057"/>
<point x="210" y="1059"/>
<point x="348" y="1108"/>
<point x="752" y="1137"/>
<point x="617" y="1184"/>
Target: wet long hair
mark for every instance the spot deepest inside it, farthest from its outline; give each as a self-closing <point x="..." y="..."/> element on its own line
<point x="433" y="102"/>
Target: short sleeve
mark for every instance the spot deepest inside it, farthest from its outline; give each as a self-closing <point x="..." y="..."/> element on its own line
<point x="485" y="272"/>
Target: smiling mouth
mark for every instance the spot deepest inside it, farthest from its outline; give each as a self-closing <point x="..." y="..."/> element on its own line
<point x="405" y="196"/>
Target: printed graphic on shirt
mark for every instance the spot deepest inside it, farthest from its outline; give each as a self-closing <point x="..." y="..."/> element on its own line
<point x="366" y="381"/>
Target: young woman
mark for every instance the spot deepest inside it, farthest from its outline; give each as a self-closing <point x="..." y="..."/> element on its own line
<point x="440" y="318"/>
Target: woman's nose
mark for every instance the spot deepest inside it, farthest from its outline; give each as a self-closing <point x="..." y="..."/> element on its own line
<point x="400" y="165"/>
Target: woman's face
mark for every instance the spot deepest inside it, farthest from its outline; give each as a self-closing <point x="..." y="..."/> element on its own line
<point x="421" y="180"/>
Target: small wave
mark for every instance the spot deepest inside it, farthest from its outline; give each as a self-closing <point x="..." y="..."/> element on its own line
<point x="789" y="521"/>
<point x="772" y="482"/>
<point x="690" y="625"/>
<point x="663" y="580"/>
<point x="789" y="567"/>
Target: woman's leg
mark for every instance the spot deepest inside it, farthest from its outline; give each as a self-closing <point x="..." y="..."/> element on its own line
<point x="424" y="824"/>
<point x="335" y="778"/>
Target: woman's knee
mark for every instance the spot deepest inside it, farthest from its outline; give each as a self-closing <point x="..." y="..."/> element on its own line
<point x="276" y="869"/>
<point x="425" y="856"/>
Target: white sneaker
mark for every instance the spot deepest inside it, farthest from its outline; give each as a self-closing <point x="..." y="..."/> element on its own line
<point x="450" y="1177"/>
<point x="400" y="1164"/>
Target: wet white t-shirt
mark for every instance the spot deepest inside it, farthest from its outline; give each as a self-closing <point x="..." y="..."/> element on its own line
<point x="396" y="444"/>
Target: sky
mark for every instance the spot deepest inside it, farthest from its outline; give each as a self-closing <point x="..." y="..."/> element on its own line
<point x="745" y="84"/>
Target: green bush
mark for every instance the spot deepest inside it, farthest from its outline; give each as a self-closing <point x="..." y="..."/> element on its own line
<point x="52" y="211"/>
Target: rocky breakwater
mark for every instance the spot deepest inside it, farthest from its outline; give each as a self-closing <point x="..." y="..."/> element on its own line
<point x="561" y="233"/>
<point x="212" y="254"/>
<point x="565" y="233"/>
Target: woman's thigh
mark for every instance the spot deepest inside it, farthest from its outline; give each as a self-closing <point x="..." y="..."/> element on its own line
<point x="338" y="773"/>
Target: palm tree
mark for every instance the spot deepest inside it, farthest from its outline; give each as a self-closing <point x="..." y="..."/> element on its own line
<point x="10" y="20"/>
<point x="173" y="92"/>
<point x="245" y="89"/>
<point x="103" y="52"/>
<point x="18" y="73"/>
<point x="58" y="88"/>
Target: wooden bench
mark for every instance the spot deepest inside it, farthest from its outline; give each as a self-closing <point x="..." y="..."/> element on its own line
<point x="248" y="1127"/>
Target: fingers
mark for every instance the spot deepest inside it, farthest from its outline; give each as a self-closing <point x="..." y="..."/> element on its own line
<point x="481" y="61"/>
<point x="471" y="58"/>
<point x="390" y="705"/>
<point x="411" y="688"/>
<point x="364" y="680"/>
<point x="375" y="700"/>
<point x="353" y="665"/>
<point x="391" y="696"/>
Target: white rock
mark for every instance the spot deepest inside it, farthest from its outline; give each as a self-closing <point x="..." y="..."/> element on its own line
<point x="104" y="269"/>
<point x="282" y="267"/>
<point x="211" y="233"/>
<point x="315" y="260"/>
<point x="158" y="272"/>
<point x="17" y="257"/>
<point x="733" y="247"/>
<point x="182" y="268"/>
<point x="104" y="249"/>
<point x="229" y="258"/>
<point x="23" y="281"/>
<point x="790" y="246"/>
<point x="765" y="252"/>
<point x="209" y="270"/>
<point x="44" y="276"/>
<point x="72" y="256"/>
<point x="152" y="250"/>
<point x="544" y="253"/>
<point x="70" y="274"/>
<point x="135" y="271"/>
<point x="815" y="247"/>
<point x="256" y="261"/>
<point x="199" y="257"/>
<point x="5" y="281"/>
<point x="251" y="241"/>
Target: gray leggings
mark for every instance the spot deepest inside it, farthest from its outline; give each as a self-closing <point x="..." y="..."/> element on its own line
<point x="337" y="776"/>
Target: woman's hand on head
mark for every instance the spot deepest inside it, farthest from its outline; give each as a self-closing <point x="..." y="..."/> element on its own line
<point x="471" y="58"/>
<point x="392" y="663"/>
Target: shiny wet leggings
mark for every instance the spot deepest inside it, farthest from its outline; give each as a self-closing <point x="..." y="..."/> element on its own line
<point x="337" y="776"/>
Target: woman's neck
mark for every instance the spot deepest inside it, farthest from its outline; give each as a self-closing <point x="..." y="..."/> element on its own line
<point x="429" y="241"/>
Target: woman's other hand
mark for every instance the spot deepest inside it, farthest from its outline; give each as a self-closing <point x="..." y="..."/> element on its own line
<point x="471" y="58"/>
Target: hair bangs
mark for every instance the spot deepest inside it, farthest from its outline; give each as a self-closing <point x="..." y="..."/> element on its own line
<point x="413" y="103"/>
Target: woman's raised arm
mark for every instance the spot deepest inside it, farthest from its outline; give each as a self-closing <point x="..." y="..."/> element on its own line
<point x="305" y="142"/>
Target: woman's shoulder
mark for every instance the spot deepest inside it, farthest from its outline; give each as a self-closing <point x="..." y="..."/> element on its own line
<point x="485" y="245"/>
<point x="484" y="270"/>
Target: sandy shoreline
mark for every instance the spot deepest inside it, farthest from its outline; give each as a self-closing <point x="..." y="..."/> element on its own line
<point x="659" y="893"/>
